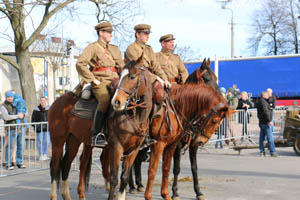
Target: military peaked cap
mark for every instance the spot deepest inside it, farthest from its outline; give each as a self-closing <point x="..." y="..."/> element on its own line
<point x="142" y="28"/>
<point x="104" y="26"/>
<point x="166" y="38"/>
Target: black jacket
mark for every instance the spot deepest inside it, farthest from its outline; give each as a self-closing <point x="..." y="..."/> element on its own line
<point x="272" y="102"/>
<point x="264" y="112"/>
<point x="40" y="114"/>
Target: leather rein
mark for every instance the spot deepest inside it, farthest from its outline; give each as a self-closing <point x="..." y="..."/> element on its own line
<point x="133" y="103"/>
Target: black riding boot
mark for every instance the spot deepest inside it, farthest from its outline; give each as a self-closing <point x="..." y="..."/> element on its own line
<point x="98" y="138"/>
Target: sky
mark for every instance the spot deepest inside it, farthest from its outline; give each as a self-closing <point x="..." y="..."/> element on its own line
<point x="200" y="24"/>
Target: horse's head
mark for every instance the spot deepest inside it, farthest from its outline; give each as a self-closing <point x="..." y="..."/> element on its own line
<point x="209" y="123"/>
<point x="134" y="83"/>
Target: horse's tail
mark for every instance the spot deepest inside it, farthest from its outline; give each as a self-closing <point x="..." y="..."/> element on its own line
<point x="88" y="172"/>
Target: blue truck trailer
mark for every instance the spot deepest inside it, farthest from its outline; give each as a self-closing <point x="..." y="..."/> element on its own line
<point x="256" y="74"/>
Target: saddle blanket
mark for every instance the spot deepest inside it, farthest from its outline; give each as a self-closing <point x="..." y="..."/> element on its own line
<point x="85" y="108"/>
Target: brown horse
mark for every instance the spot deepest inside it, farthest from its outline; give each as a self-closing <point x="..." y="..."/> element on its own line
<point x="204" y="74"/>
<point x="128" y="123"/>
<point x="198" y="106"/>
<point x="69" y="130"/>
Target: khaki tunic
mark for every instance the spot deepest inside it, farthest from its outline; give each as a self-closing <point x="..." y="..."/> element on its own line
<point x="135" y="50"/>
<point x="172" y="65"/>
<point x="100" y="54"/>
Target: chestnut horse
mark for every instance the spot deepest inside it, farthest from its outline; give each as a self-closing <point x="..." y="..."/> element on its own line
<point x="128" y="123"/>
<point x="197" y="105"/>
<point x="204" y="74"/>
<point x="69" y="130"/>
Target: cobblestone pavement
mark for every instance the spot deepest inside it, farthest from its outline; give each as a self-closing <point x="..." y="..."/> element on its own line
<point x="223" y="174"/>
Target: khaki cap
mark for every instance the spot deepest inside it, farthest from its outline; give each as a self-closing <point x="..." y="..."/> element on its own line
<point x="166" y="38"/>
<point x="104" y="26"/>
<point x="142" y="28"/>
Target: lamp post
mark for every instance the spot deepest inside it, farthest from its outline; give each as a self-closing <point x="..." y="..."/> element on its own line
<point x="232" y="30"/>
<point x="64" y="62"/>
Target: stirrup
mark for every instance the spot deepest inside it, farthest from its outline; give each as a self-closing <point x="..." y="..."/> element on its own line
<point x="99" y="140"/>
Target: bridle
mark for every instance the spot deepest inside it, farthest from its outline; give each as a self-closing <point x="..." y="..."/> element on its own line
<point x="198" y="123"/>
<point x="133" y="100"/>
<point x="133" y="97"/>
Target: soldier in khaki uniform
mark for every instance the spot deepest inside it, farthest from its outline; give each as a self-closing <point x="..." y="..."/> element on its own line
<point x="105" y="60"/>
<point x="135" y="50"/>
<point x="169" y="62"/>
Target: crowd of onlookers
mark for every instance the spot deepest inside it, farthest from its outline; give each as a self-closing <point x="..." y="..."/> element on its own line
<point x="14" y="114"/>
<point x="240" y="101"/>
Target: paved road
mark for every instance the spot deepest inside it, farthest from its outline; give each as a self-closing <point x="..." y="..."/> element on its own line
<point x="224" y="175"/>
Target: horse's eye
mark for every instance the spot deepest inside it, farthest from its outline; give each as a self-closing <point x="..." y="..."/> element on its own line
<point x="214" y="121"/>
<point x="132" y="77"/>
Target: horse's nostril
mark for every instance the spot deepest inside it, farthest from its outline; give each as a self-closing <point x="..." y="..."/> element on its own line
<point x="117" y="103"/>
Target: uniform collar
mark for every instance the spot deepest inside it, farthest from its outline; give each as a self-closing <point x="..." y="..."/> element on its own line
<point x="102" y="43"/>
<point x="142" y="45"/>
<point x="166" y="52"/>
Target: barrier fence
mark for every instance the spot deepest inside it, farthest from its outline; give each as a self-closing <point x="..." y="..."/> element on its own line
<point x="241" y="127"/>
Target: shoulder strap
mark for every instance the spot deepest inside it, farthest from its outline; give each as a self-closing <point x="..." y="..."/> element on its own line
<point x="143" y="51"/>
<point x="168" y="59"/>
<point x="105" y="53"/>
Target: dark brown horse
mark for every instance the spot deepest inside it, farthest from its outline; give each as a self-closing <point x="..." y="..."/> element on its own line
<point x="198" y="106"/>
<point x="204" y="74"/>
<point x="128" y="123"/>
<point x="69" y="130"/>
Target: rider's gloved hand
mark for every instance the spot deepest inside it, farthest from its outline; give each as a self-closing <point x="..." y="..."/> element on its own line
<point x="167" y="84"/>
<point x="96" y="82"/>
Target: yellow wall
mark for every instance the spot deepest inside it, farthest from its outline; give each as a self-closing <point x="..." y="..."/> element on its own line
<point x="38" y="65"/>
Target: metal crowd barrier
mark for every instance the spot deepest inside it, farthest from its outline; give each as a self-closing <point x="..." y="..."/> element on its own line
<point x="27" y="134"/>
<point x="243" y="127"/>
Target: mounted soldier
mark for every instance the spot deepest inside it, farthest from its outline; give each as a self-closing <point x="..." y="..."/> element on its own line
<point x="169" y="62"/>
<point x="105" y="61"/>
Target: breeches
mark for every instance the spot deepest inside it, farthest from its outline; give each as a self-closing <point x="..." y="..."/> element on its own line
<point x="102" y="95"/>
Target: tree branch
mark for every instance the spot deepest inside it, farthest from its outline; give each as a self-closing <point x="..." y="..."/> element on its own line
<point x="46" y="18"/>
<point x="10" y="61"/>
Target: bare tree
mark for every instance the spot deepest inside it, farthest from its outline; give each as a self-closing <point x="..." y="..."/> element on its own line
<point x="20" y="15"/>
<point x="275" y="28"/>
<point x="187" y="54"/>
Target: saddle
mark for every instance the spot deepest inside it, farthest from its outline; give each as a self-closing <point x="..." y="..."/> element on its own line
<point x="86" y="105"/>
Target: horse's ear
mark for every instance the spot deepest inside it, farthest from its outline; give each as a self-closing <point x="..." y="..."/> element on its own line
<point x="140" y="60"/>
<point x="208" y="62"/>
<point x="203" y="64"/>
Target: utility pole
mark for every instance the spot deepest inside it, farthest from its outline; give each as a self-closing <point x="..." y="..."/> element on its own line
<point x="232" y="30"/>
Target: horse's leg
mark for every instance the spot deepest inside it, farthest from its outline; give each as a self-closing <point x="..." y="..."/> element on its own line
<point x="166" y="166"/>
<point x="104" y="158"/>
<point x="57" y="148"/>
<point x="115" y="153"/>
<point x="193" y="160"/>
<point x="176" y="170"/>
<point x="155" y="155"/>
<point x="126" y="168"/>
<point x="72" y="146"/>
<point x="138" y="169"/>
<point x="85" y="169"/>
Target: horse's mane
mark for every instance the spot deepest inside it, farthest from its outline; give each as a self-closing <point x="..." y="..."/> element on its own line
<point x="193" y="98"/>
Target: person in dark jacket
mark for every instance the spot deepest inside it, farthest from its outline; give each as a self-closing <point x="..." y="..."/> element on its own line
<point x="264" y="114"/>
<point x="40" y="114"/>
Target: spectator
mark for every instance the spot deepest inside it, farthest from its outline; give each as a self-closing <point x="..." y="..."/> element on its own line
<point x="272" y="99"/>
<point x="244" y="117"/>
<point x="233" y="103"/>
<point x="10" y="115"/>
<point x="234" y="90"/>
<point x="223" y="126"/>
<point x="264" y="114"/>
<point x="40" y="114"/>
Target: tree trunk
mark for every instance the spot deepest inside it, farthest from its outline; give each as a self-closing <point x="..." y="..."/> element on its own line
<point x="26" y="75"/>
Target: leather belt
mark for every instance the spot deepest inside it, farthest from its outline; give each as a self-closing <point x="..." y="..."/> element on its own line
<point x="100" y="69"/>
<point x="172" y="80"/>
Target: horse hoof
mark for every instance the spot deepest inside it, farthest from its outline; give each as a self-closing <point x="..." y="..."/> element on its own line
<point x="201" y="197"/>
<point x="107" y="186"/>
<point x="175" y="198"/>
<point x="141" y="189"/>
<point x="132" y="191"/>
<point x="82" y="198"/>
